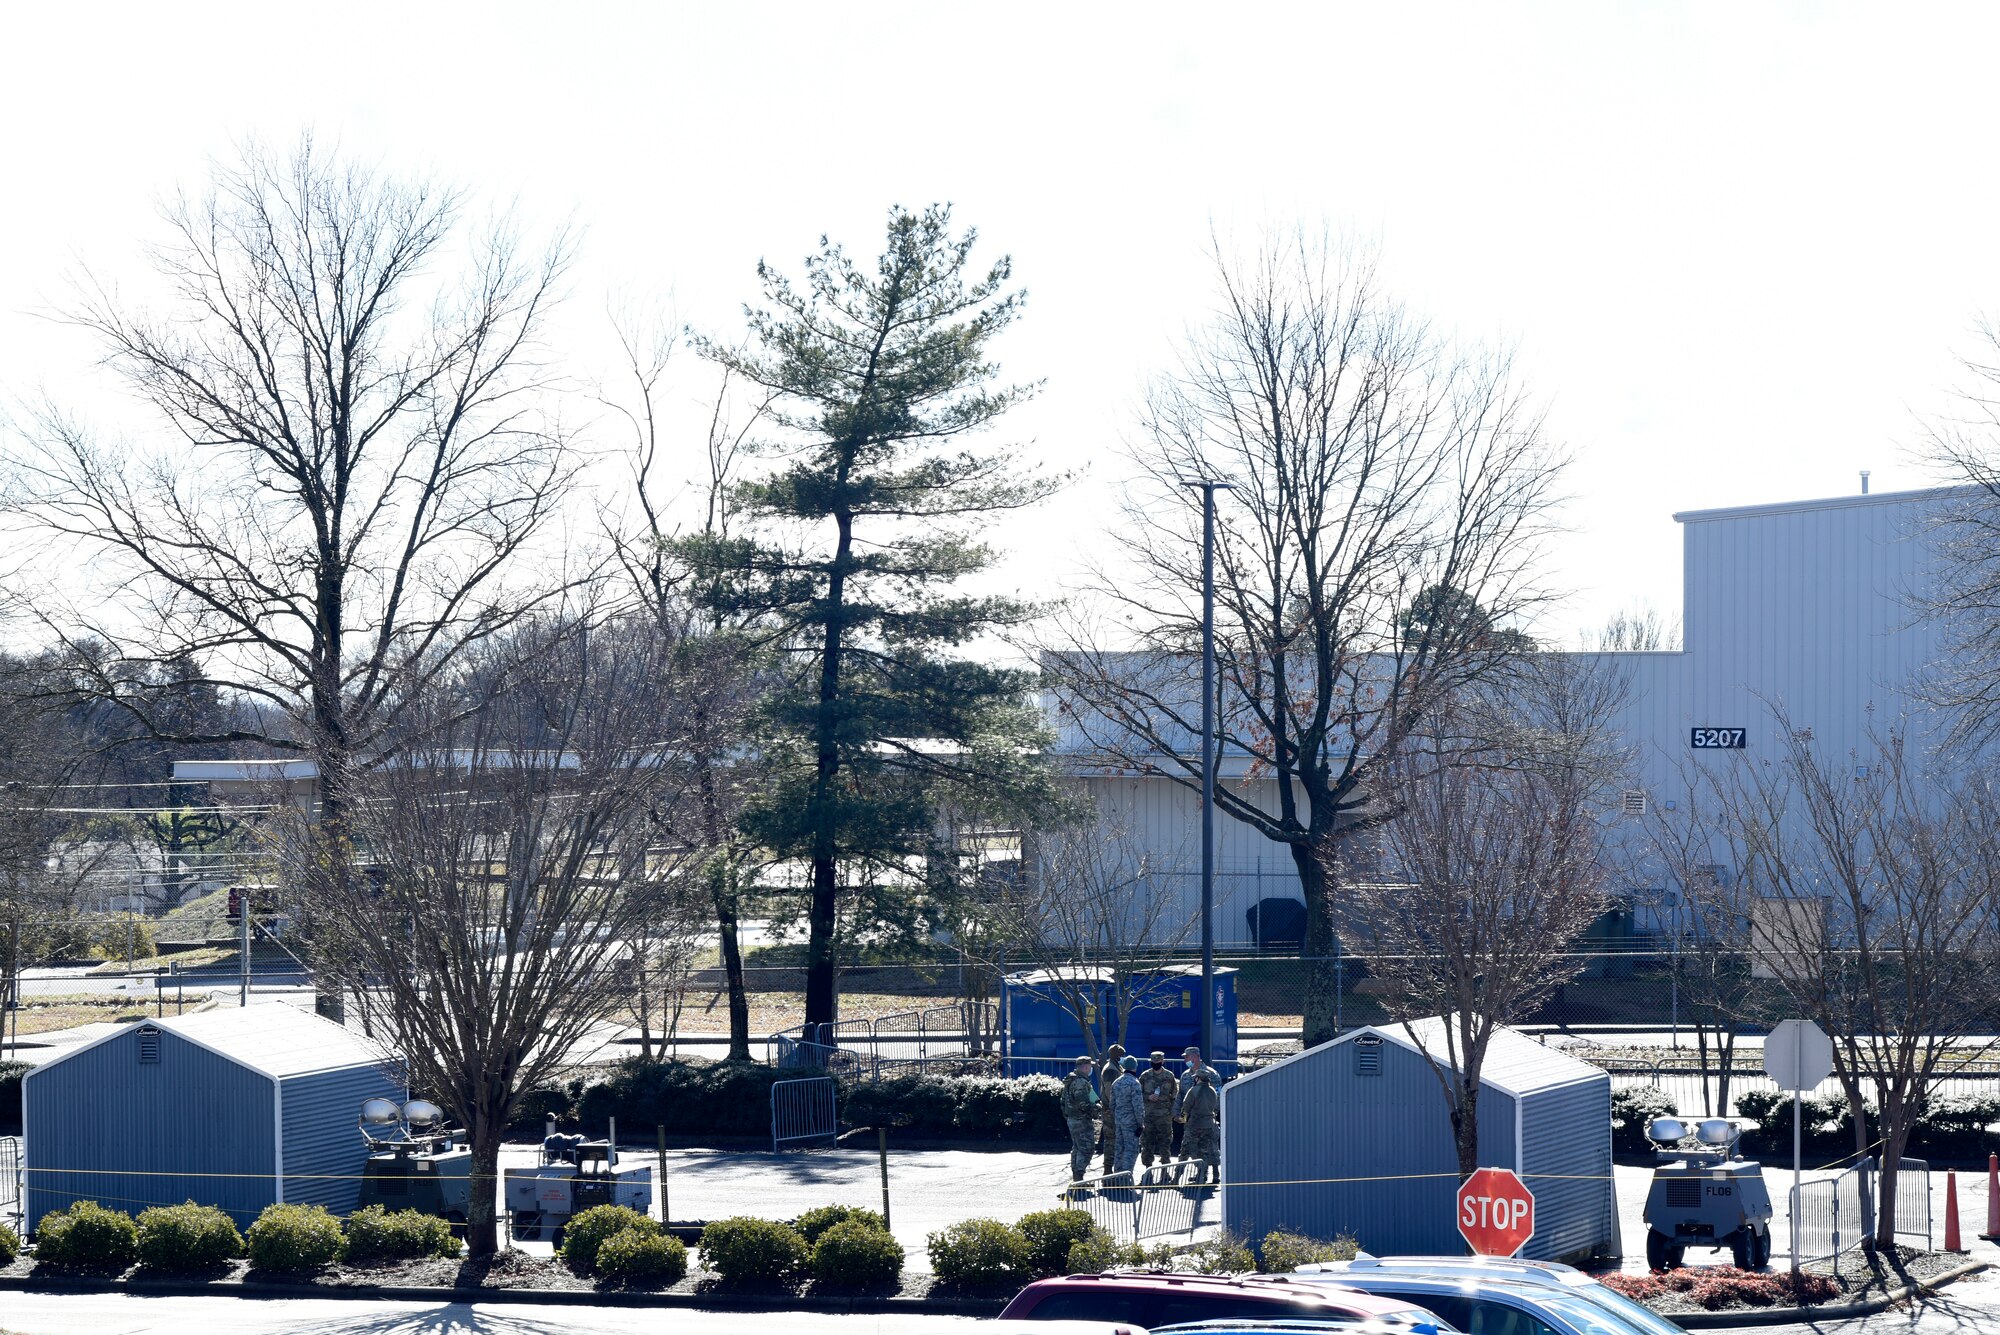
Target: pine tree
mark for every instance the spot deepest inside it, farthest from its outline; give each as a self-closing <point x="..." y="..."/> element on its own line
<point x="854" y="542"/>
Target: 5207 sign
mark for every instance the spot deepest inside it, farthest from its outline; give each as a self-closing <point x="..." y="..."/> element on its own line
<point x="1716" y="739"/>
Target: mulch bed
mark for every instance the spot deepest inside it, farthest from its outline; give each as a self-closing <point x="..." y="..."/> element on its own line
<point x="508" y="1271"/>
<point x="1861" y="1275"/>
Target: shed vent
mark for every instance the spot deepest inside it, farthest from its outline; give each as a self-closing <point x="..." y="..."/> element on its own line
<point x="1368" y="1055"/>
<point x="149" y="1044"/>
<point x="1635" y="801"/>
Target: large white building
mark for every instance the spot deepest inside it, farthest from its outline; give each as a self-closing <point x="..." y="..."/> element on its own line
<point x="1805" y="606"/>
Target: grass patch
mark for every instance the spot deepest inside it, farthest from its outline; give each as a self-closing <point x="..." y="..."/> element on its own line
<point x="46" y="1014"/>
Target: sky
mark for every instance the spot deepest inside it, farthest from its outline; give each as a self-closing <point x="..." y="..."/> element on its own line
<point x="1737" y="250"/>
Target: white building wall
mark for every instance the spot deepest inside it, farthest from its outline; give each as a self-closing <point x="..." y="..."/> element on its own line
<point x="1805" y="605"/>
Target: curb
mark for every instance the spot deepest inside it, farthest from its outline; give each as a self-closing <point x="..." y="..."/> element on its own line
<point x="714" y="1302"/>
<point x="1784" y="1316"/>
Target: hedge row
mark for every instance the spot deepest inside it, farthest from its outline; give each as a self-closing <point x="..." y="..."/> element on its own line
<point x="695" y="1097"/>
<point x="1953" y="1128"/>
<point x="985" y="1255"/>
<point x="190" y="1238"/>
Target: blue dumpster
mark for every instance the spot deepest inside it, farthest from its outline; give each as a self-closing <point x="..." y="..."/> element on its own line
<point x="1166" y="1013"/>
<point x="1041" y="1032"/>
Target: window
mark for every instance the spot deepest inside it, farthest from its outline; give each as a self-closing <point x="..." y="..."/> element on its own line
<point x="1483" y="1316"/>
<point x="1080" y="1304"/>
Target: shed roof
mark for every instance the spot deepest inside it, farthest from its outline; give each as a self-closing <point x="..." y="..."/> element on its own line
<point x="1515" y="1064"/>
<point x="277" y="1039"/>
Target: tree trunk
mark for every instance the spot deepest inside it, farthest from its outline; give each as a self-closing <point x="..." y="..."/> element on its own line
<point x="1885" y="1184"/>
<point x="822" y="917"/>
<point x="1322" y="944"/>
<point x="482" y="1216"/>
<point x="1465" y="1127"/>
<point x="732" y="965"/>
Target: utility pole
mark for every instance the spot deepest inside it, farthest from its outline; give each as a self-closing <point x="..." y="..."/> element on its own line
<point x="243" y="964"/>
<point x="1208" y="490"/>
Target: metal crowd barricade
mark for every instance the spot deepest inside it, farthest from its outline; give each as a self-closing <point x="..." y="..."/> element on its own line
<point x="1156" y="1203"/>
<point x="10" y="1176"/>
<point x="1837" y="1214"/>
<point x="803" y="1110"/>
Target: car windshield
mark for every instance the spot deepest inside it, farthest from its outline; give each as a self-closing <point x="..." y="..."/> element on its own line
<point x="1590" y="1318"/>
<point x="1631" y="1312"/>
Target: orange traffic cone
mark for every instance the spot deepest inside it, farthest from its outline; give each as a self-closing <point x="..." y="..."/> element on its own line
<point x="1951" y="1240"/>
<point x="1992" y="1233"/>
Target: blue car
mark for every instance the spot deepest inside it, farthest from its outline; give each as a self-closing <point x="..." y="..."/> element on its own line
<point x="1566" y="1279"/>
<point x="1481" y="1306"/>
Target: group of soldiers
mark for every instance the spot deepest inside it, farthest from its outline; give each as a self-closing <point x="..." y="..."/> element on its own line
<point x="1132" y="1114"/>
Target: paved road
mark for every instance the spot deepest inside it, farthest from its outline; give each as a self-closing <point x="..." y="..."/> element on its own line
<point x="118" y="1314"/>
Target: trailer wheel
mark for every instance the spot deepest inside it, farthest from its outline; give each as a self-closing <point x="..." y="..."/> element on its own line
<point x="1662" y="1252"/>
<point x="1743" y="1248"/>
<point x="1760" y="1253"/>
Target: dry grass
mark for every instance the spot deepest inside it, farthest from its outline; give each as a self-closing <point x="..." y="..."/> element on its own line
<point x="42" y="1015"/>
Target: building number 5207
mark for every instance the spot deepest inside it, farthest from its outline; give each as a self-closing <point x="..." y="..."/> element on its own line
<point x="1716" y="739"/>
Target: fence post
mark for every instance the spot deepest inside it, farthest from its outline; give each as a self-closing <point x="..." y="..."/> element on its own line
<point x="882" y="1151"/>
<point x="660" y="1131"/>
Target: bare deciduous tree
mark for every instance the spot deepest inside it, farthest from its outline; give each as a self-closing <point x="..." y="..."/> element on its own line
<point x="1868" y="887"/>
<point x="1493" y="866"/>
<point x="351" y="456"/>
<point x="1963" y="599"/>
<point x="1376" y="553"/>
<point x="518" y="862"/>
<point x="721" y="651"/>
<point x="1096" y="903"/>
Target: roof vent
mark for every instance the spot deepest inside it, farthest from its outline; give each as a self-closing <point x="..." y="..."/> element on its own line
<point x="1635" y="801"/>
<point x="149" y="1045"/>
<point x="1368" y="1055"/>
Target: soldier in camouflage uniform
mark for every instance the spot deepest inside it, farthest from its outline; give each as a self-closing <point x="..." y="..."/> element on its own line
<point x="1080" y="1109"/>
<point x="1201" y="1141"/>
<point x="1161" y="1091"/>
<point x="1128" y="1110"/>
<point x="1107" y="1075"/>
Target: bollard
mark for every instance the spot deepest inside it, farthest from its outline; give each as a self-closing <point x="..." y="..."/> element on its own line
<point x="660" y="1131"/>
<point x="1951" y="1239"/>
<point x="882" y="1148"/>
<point x="1992" y="1233"/>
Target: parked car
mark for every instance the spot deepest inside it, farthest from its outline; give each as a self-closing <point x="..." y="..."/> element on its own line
<point x="1295" y="1325"/>
<point x="1552" y="1274"/>
<point x="1485" y="1306"/>
<point x="1153" y="1298"/>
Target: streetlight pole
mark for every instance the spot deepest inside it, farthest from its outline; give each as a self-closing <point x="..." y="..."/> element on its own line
<point x="1208" y="490"/>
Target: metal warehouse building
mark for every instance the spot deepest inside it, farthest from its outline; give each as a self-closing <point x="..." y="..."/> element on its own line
<point x="1354" y="1136"/>
<point x="236" y="1108"/>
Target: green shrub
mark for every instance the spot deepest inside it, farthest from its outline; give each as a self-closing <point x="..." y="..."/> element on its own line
<point x="686" y="1097"/>
<point x="187" y="1237"/>
<point x="10" y="1245"/>
<point x="815" y="1222"/>
<point x="857" y="1255"/>
<point x="534" y="1108"/>
<point x="980" y="1254"/>
<point x="1223" y="1254"/>
<point x="86" y="1236"/>
<point x="1281" y="1253"/>
<point x="1050" y="1234"/>
<point x="1041" y="1116"/>
<point x="1631" y="1110"/>
<point x="10" y="1092"/>
<point x="632" y="1256"/>
<point x="755" y="1253"/>
<point x="114" y="935"/>
<point x="1099" y="1251"/>
<point x="294" y="1238"/>
<point x="375" y="1234"/>
<point x="587" y="1232"/>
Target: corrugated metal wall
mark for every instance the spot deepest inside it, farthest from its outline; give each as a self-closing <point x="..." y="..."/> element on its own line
<point x="1566" y="1162"/>
<point x="1314" y="1118"/>
<point x="324" y="1153"/>
<point x="102" y="1125"/>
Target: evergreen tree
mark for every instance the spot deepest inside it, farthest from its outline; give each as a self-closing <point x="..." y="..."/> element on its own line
<point x="854" y="543"/>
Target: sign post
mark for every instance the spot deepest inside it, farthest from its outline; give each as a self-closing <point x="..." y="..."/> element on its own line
<point x="1496" y="1212"/>
<point x="1797" y="1056"/>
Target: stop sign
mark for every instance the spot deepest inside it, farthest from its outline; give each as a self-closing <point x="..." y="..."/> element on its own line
<point x="1496" y="1212"/>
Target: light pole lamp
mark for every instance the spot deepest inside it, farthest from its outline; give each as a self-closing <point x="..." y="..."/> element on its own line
<point x="1208" y="488"/>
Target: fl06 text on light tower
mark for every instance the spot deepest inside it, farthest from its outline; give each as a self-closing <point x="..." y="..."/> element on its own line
<point x="1208" y="488"/>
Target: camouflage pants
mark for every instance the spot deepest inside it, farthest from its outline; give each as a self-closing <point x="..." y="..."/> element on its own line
<point x="1082" y="1141"/>
<point x="1203" y="1144"/>
<point x="1157" y="1139"/>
